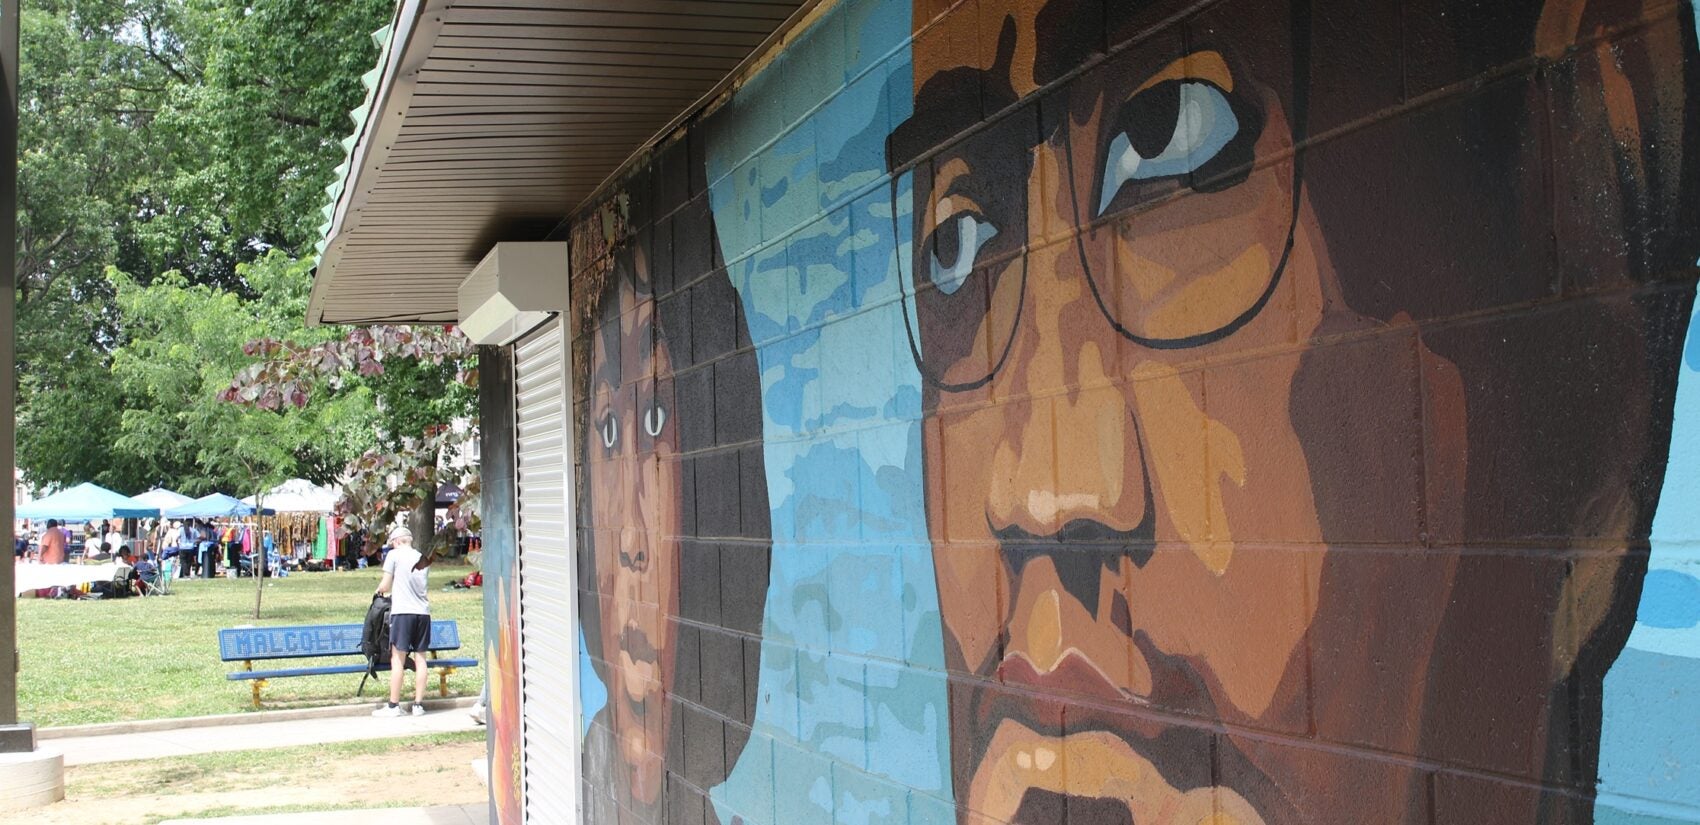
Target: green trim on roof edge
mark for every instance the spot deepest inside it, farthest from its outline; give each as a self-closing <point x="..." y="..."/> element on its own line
<point x="383" y="39"/>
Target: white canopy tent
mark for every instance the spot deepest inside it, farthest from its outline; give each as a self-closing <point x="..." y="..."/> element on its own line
<point x="298" y="495"/>
<point x="162" y="498"/>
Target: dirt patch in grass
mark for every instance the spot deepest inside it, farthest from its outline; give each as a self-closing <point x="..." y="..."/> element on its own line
<point x="435" y="770"/>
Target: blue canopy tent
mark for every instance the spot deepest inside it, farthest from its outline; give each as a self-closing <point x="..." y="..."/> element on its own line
<point x="213" y="505"/>
<point x="86" y="502"/>
<point x="217" y="505"/>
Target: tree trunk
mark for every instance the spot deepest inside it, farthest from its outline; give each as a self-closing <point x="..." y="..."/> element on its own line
<point x="257" y="562"/>
<point x="422" y="521"/>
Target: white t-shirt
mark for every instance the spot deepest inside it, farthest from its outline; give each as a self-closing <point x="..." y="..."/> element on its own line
<point x="116" y="539"/>
<point x="408" y="588"/>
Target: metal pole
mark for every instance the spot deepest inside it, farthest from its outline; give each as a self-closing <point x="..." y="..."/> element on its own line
<point x="13" y="737"/>
<point x="257" y="561"/>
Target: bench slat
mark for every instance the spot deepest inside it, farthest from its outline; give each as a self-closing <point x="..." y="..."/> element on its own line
<point x="308" y="641"/>
<point x="335" y="669"/>
<point x="295" y="671"/>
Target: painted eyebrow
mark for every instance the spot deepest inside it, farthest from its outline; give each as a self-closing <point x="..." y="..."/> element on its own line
<point x="957" y="182"/>
<point x="945" y="106"/>
<point x="608" y="336"/>
<point x="607" y="375"/>
<point x="1205" y="65"/>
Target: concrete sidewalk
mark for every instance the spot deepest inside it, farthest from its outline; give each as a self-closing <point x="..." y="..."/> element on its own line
<point x="250" y="731"/>
<point x="448" y="815"/>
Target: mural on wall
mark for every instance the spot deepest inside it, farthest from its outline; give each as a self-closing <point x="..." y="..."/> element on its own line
<point x="656" y="736"/>
<point x="1041" y="411"/>
<point x="1343" y="508"/>
<point x="502" y="713"/>
<point x="853" y="682"/>
<point x="1650" y="758"/>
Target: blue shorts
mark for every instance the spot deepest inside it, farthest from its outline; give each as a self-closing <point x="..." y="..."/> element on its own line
<point x="410" y="632"/>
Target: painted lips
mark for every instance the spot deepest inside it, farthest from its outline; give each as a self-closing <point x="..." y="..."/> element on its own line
<point x="1095" y="765"/>
<point x="1102" y="758"/>
<point x="635" y="644"/>
<point x="642" y="664"/>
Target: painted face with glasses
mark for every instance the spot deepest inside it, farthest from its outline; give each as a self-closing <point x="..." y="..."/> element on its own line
<point x="1218" y="430"/>
<point x="1109" y="291"/>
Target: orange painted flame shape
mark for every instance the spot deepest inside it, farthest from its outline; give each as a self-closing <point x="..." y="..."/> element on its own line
<point x="504" y="712"/>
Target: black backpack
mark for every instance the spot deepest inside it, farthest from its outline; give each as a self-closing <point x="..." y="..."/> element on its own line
<point x="375" y="635"/>
<point x="375" y="640"/>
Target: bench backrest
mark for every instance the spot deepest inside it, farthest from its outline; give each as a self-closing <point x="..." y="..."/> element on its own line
<point x="303" y="641"/>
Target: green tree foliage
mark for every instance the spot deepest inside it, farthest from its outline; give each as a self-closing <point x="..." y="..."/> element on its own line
<point x="175" y="156"/>
<point x="257" y="111"/>
<point x="424" y="379"/>
<point x="188" y="137"/>
<point x="184" y="344"/>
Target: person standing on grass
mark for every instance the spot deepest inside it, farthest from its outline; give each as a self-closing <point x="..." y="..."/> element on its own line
<point x="114" y="537"/>
<point x="53" y="544"/>
<point x="188" y="545"/>
<point x="405" y="571"/>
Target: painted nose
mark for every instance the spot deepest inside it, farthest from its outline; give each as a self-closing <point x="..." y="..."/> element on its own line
<point x="634" y="553"/>
<point x="1070" y="456"/>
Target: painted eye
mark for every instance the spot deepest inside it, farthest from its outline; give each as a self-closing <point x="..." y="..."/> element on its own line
<point x="956" y="244"/>
<point x="610" y="431"/>
<point x="1196" y="118"/>
<point x="654" y="419"/>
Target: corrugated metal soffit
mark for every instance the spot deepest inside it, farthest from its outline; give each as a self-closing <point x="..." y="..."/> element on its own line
<point x="491" y="120"/>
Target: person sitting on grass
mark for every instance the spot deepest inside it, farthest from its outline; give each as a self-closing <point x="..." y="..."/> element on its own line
<point x="122" y="583"/>
<point x="128" y="580"/>
<point x="147" y="570"/>
<point x="405" y="572"/>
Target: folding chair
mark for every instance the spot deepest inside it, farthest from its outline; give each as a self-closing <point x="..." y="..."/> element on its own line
<point x="117" y="587"/>
<point x="159" y="582"/>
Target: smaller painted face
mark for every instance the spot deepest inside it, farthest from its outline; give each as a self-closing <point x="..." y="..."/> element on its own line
<point x="635" y="507"/>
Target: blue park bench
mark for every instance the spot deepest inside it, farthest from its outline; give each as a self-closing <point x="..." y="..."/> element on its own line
<point x="259" y="644"/>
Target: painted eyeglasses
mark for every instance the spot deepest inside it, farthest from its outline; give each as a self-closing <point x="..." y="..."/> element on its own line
<point x="1165" y="194"/>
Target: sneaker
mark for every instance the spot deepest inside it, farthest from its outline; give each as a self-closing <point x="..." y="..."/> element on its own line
<point x="418" y="709"/>
<point x="388" y="711"/>
<point x="478" y="714"/>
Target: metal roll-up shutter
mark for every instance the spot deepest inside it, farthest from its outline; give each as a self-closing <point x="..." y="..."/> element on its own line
<point x="548" y="604"/>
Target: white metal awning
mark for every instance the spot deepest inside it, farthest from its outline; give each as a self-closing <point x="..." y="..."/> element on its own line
<point x="493" y="119"/>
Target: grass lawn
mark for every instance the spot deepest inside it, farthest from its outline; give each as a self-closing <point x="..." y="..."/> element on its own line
<point x="153" y="658"/>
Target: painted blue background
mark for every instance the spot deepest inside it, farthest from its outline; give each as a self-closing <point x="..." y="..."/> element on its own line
<point x="851" y="710"/>
<point x="1650" y="738"/>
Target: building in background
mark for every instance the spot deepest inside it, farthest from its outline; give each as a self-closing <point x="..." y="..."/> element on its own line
<point x="1062" y="411"/>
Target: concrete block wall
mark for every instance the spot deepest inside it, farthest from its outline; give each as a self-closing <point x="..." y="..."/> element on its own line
<point x="1009" y="411"/>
